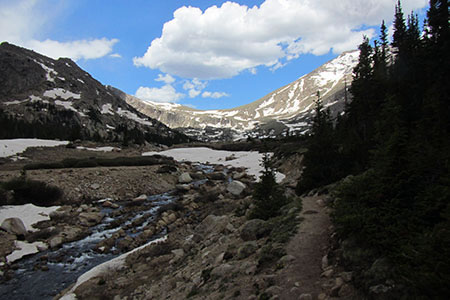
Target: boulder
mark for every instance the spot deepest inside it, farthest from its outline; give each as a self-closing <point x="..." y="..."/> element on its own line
<point x="14" y="226"/>
<point x="185" y="178"/>
<point x="247" y="249"/>
<point x="222" y="270"/>
<point x="213" y="223"/>
<point x="236" y="187"/>
<point x="217" y="176"/>
<point x="90" y="218"/>
<point x="55" y="242"/>
<point x="254" y="230"/>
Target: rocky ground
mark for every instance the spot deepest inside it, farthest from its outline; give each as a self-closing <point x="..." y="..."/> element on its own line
<point x="212" y="250"/>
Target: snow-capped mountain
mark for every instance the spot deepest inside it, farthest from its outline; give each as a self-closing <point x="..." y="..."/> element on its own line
<point x="46" y="98"/>
<point x="287" y="109"/>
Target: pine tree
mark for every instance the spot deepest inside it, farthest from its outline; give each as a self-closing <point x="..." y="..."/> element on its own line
<point x="268" y="195"/>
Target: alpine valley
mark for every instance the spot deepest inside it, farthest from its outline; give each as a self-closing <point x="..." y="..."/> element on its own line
<point x="286" y="111"/>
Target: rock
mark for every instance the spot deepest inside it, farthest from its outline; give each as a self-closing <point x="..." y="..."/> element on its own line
<point x="95" y="186"/>
<point x="183" y="188"/>
<point x="55" y="242"/>
<point x="217" y="176"/>
<point x="285" y="260"/>
<point x="90" y="218"/>
<point x="305" y="297"/>
<point x="247" y="249"/>
<point x="179" y="254"/>
<point x="322" y="296"/>
<point x="345" y="291"/>
<point x="337" y="287"/>
<point x="254" y="230"/>
<point x="273" y="290"/>
<point x="223" y="270"/>
<point x="328" y="273"/>
<point x="185" y="178"/>
<point x="60" y="214"/>
<point x="324" y="262"/>
<point x="378" y="290"/>
<point x="14" y="226"/>
<point x="140" y="199"/>
<point x="236" y="187"/>
<point x="167" y="169"/>
<point x="213" y="223"/>
<point x="347" y="276"/>
<point x="109" y="204"/>
<point x="238" y="176"/>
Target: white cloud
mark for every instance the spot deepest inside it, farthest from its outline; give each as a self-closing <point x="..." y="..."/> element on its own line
<point x="194" y="87"/>
<point x="115" y="55"/>
<point x="167" y="93"/>
<point x="194" y="93"/>
<point x="215" y="95"/>
<point x="167" y="79"/>
<point x="220" y="42"/>
<point x="81" y="49"/>
<point x="21" y="22"/>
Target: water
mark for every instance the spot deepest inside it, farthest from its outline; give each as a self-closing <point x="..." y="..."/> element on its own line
<point x="66" y="264"/>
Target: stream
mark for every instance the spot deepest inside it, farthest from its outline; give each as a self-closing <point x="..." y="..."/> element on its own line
<point x="73" y="259"/>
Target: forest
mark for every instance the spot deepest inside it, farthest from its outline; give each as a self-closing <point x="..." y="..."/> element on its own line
<point x="390" y="152"/>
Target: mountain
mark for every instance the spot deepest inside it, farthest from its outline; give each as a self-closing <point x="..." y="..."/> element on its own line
<point x="287" y="110"/>
<point x="46" y="98"/>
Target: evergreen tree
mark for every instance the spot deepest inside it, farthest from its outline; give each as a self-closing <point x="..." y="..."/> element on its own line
<point x="268" y="195"/>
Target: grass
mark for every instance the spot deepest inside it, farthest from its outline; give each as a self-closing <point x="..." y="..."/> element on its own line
<point x="101" y="162"/>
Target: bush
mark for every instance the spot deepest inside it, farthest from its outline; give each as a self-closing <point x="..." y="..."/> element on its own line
<point x="32" y="191"/>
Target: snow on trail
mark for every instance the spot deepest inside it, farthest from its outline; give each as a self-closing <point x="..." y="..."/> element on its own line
<point x="15" y="146"/>
<point x="242" y="159"/>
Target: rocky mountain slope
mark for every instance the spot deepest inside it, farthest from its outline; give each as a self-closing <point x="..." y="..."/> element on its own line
<point x="46" y="98"/>
<point x="286" y="110"/>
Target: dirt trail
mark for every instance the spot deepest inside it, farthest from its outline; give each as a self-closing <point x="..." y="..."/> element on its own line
<point x="308" y="247"/>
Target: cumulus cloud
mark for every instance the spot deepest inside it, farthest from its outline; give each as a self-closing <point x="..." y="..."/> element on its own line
<point x="194" y="87"/>
<point x="221" y="42"/>
<point x="215" y="95"/>
<point x="167" y="79"/>
<point x="22" y="20"/>
<point x="167" y="93"/>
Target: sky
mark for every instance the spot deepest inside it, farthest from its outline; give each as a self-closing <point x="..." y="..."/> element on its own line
<point x="199" y="53"/>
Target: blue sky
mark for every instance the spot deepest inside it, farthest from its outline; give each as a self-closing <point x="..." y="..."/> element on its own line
<point x="205" y="54"/>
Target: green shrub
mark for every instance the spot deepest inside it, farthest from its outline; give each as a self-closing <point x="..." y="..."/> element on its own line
<point x="32" y="191"/>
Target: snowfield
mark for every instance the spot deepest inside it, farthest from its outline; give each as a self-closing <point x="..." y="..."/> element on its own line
<point x="29" y="214"/>
<point x="242" y="159"/>
<point x="15" y="146"/>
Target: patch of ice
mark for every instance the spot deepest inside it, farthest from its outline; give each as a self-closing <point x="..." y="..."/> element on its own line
<point x="110" y="127"/>
<point x="15" y="146"/>
<point x="61" y="93"/>
<point x="29" y="214"/>
<point x="80" y="81"/>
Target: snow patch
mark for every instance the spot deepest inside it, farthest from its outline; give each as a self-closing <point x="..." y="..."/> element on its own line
<point x="111" y="265"/>
<point x="61" y="93"/>
<point x="50" y="71"/>
<point x="15" y="146"/>
<point x="29" y="214"/>
<point x="107" y="109"/>
<point x="133" y="116"/>
<point x="248" y="159"/>
<point x="100" y="149"/>
<point x="68" y="105"/>
<point x="24" y="249"/>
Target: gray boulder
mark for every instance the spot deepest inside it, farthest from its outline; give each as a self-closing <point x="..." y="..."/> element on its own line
<point x="236" y="187"/>
<point x="185" y="178"/>
<point x="247" y="249"/>
<point x="14" y="226"/>
<point x="254" y="230"/>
